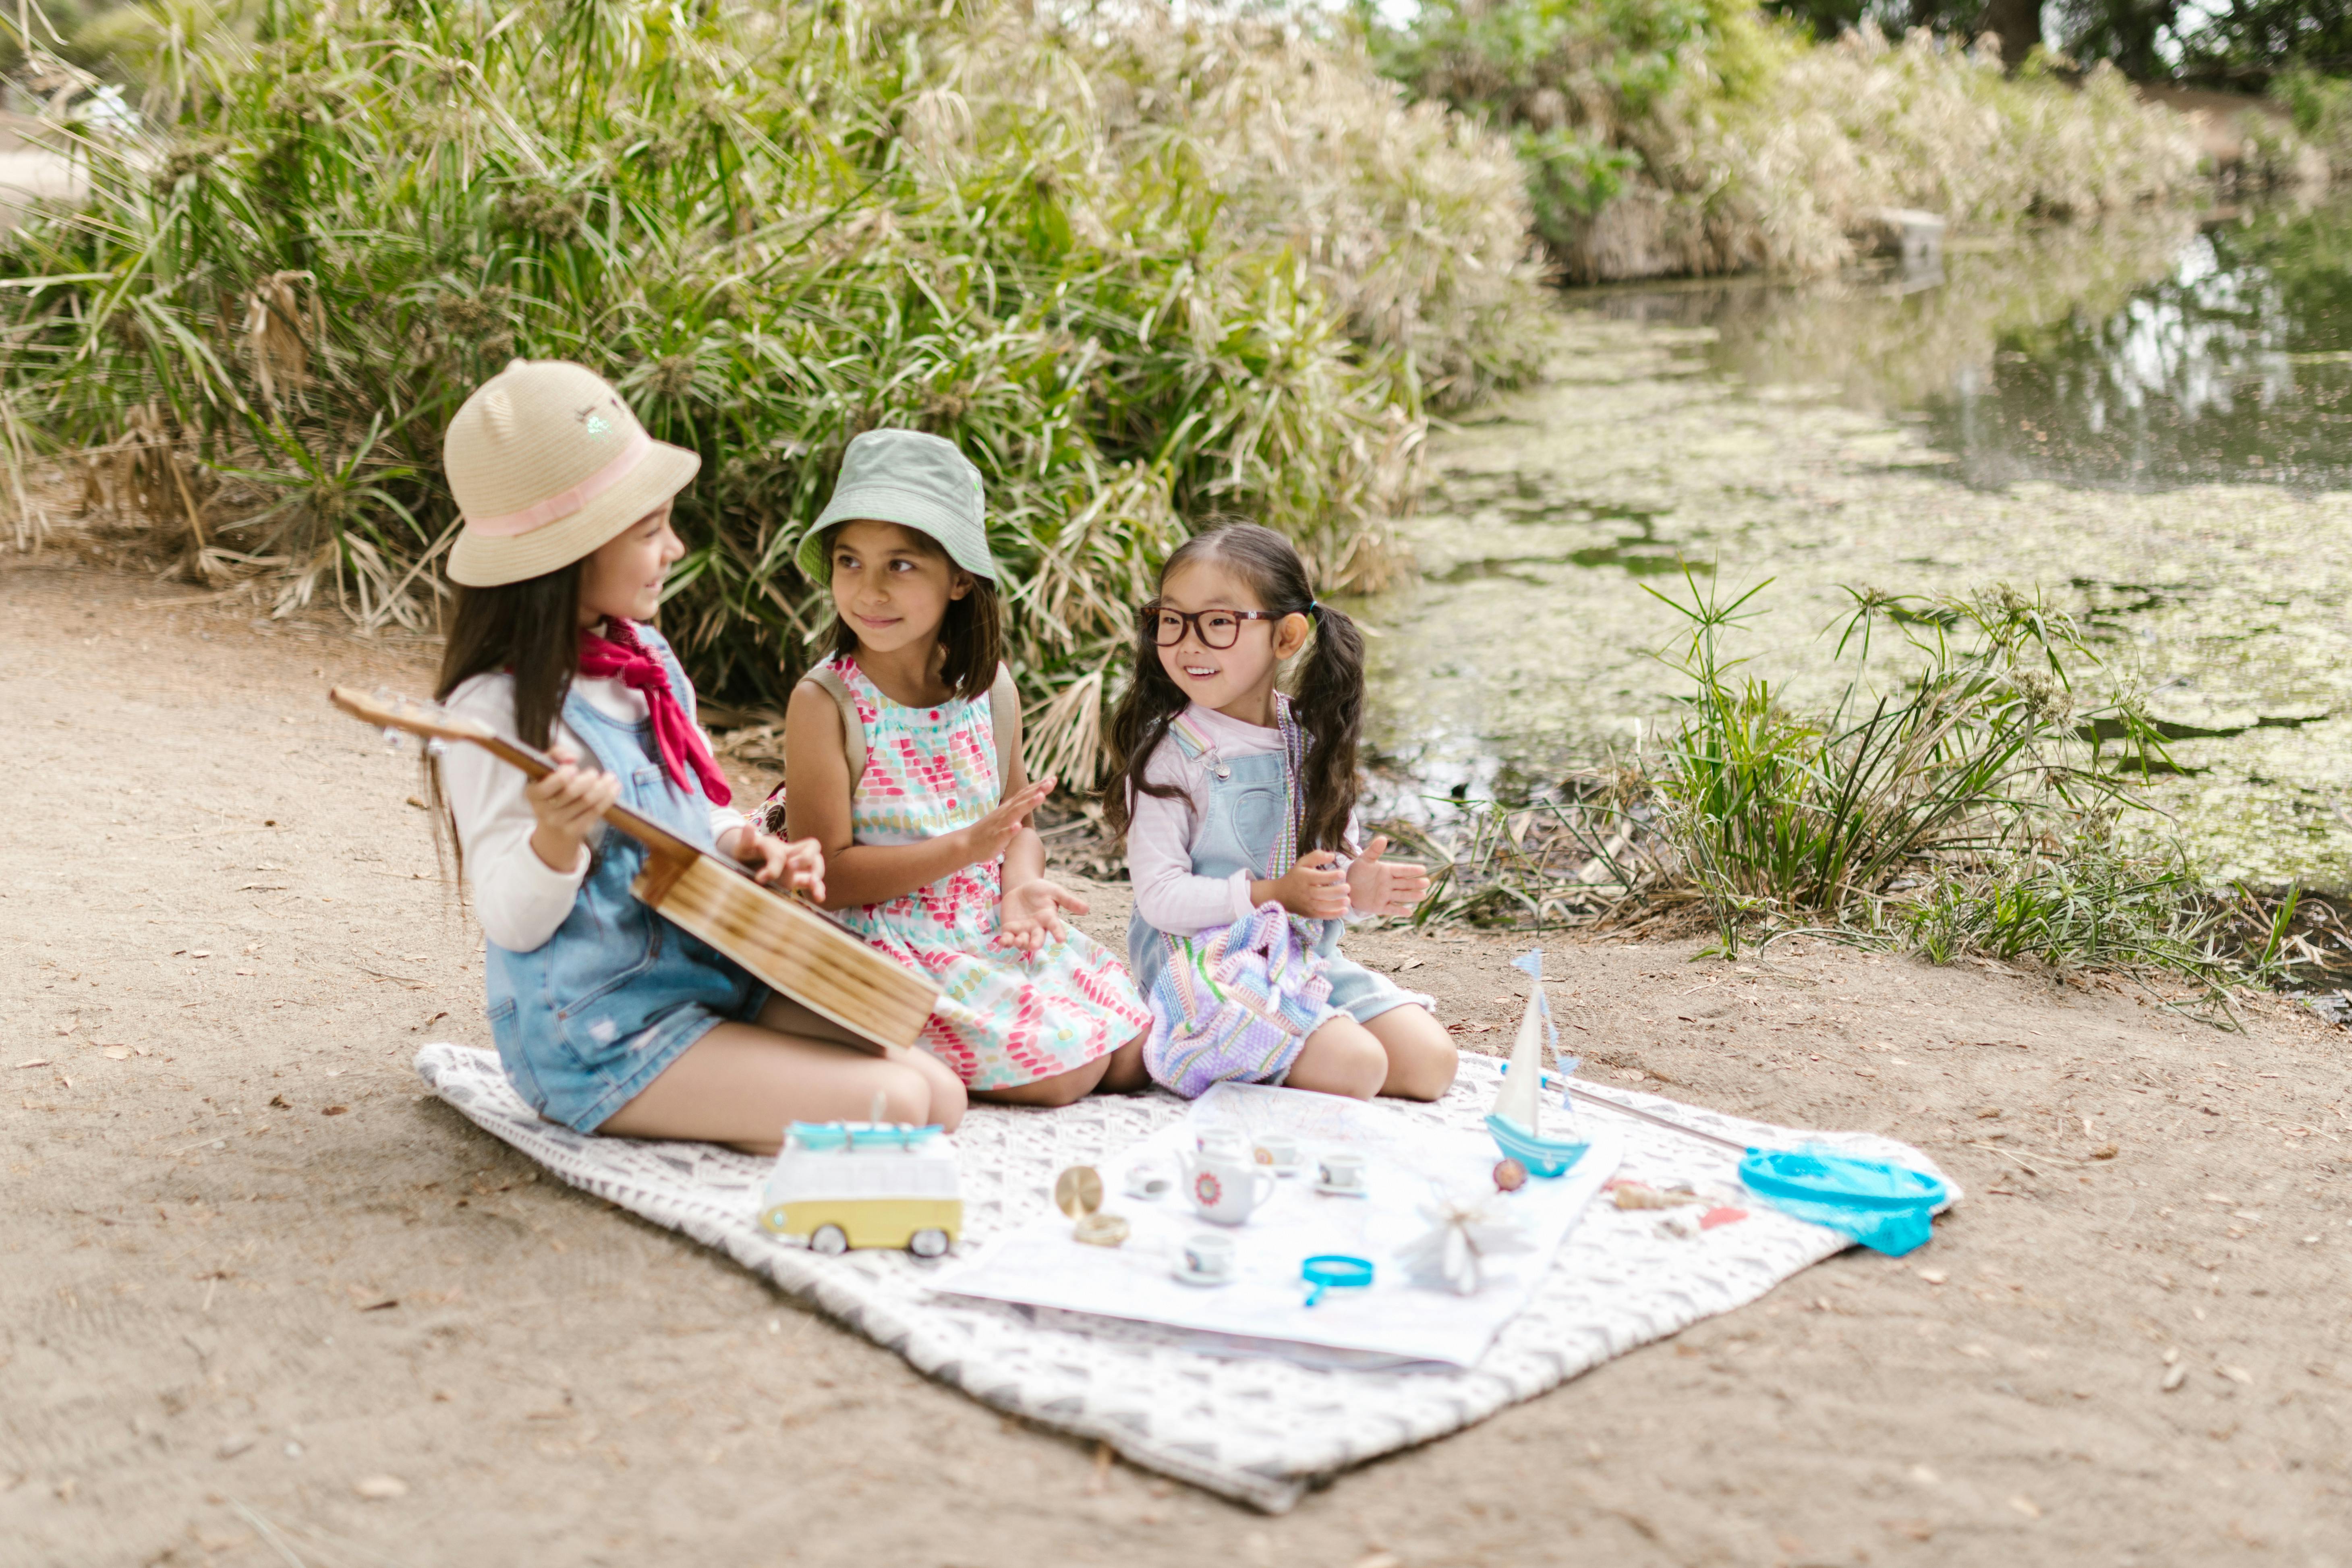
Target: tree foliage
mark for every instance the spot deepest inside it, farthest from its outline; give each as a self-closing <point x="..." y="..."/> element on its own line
<point x="1696" y="136"/>
<point x="2238" y="43"/>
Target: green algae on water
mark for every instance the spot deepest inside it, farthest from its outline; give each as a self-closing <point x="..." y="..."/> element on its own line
<point x="1524" y="650"/>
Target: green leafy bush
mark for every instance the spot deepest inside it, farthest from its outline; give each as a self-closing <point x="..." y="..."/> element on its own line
<point x="1144" y="272"/>
<point x="1696" y="136"/>
<point x="2322" y="108"/>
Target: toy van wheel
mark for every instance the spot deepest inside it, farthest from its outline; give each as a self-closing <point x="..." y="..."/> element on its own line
<point x="775" y="1219"/>
<point x="829" y="1239"/>
<point x="928" y="1243"/>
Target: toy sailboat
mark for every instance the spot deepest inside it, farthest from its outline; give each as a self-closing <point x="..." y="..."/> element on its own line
<point x="1517" y="1118"/>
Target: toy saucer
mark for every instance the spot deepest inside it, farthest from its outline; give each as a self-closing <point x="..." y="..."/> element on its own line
<point x="1184" y="1275"/>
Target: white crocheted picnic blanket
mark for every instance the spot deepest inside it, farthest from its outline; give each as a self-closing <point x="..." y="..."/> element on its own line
<point x="1257" y="1428"/>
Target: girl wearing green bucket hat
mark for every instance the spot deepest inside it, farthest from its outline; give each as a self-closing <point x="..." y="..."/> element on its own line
<point x="607" y="1017"/>
<point x="903" y="753"/>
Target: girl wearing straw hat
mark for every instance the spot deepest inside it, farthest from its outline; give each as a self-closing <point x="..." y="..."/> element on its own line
<point x="903" y="753"/>
<point x="607" y="1017"/>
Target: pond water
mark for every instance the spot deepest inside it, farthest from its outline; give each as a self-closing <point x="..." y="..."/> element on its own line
<point x="2149" y="422"/>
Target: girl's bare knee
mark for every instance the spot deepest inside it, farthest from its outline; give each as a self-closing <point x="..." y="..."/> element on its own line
<point x="1125" y="1072"/>
<point x="1365" y="1067"/>
<point x="1421" y="1074"/>
<point x="1341" y="1057"/>
<point x="906" y="1095"/>
<point x="1422" y="1058"/>
<point x="948" y="1100"/>
<point x="1062" y="1088"/>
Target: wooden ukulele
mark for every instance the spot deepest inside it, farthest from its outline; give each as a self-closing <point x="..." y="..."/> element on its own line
<point x="786" y="940"/>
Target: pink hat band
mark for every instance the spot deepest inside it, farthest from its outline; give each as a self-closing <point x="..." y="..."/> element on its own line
<point x="562" y="504"/>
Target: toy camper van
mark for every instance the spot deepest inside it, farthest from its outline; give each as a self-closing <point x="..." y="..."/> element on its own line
<point x="865" y="1184"/>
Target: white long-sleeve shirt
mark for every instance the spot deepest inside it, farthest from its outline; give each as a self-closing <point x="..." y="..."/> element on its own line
<point x="517" y="897"/>
<point x="1161" y="833"/>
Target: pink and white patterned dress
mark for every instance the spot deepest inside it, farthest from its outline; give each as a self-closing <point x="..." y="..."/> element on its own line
<point x="1007" y="1017"/>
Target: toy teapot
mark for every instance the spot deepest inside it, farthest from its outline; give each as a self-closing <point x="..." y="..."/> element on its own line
<point x="1225" y="1188"/>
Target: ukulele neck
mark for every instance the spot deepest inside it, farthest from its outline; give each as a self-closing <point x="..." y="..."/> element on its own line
<point x="537" y="765"/>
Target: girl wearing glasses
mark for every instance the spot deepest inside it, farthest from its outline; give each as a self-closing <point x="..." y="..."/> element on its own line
<point x="1236" y="802"/>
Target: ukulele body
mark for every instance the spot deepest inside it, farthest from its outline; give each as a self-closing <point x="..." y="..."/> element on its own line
<point x="799" y="954"/>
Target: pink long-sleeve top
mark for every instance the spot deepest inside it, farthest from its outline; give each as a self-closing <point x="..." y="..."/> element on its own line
<point x="1161" y="833"/>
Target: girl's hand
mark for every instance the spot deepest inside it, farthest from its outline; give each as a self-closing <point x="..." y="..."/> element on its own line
<point x="1315" y="887"/>
<point x="804" y="865"/>
<point x="984" y="840"/>
<point x="568" y="803"/>
<point x="798" y="866"/>
<point x="1378" y="887"/>
<point x="1031" y="914"/>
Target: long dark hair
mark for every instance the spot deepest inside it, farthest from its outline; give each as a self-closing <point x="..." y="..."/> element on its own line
<point x="972" y="637"/>
<point x="530" y="629"/>
<point x="1329" y="705"/>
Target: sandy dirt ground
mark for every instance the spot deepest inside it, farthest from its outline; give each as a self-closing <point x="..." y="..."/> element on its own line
<point x="248" y="1266"/>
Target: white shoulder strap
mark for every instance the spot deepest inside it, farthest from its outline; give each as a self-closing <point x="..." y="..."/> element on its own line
<point x="1003" y="715"/>
<point x="853" y="733"/>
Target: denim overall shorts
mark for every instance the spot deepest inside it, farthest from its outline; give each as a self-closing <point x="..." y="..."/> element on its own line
<point x="593" y="1014"/>
<point x="1246" y="800"/>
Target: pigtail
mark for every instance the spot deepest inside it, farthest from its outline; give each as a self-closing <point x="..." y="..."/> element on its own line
<point x="1138" y="726"/>
<point x="1330" y="708"/>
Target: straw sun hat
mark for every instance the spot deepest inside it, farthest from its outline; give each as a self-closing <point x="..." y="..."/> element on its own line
<point x="547" y="464"/>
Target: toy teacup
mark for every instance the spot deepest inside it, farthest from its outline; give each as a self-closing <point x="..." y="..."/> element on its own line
<point x="1340" y="1173"/>
<point x="1278" y="1152"/>
<point x="1207" y="1259"/>
<point x="1222" y="1142"/>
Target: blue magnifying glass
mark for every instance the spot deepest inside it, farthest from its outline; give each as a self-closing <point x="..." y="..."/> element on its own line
<point x="1334" y="1271"/>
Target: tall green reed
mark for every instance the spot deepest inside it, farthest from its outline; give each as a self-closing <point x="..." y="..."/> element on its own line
<point x="1979" y="747"/>
<point x="1970" y="786"/>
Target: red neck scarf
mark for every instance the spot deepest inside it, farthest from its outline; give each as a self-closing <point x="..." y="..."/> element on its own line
<point x="618" y="655"/>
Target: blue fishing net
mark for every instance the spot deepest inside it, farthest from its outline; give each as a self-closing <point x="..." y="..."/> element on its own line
<point x="1886" y="1207"/>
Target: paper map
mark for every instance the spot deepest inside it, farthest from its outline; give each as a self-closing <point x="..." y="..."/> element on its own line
<point x="1407" y="1162"/>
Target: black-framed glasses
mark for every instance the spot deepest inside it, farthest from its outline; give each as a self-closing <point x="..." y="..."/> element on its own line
<point x="1215" y="629"/>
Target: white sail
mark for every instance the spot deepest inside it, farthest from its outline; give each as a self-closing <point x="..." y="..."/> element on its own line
<point x="1520" y="1098"/>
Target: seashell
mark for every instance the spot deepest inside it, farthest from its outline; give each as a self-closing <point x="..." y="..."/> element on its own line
<point x="1100" y="1229"/>
<point x="1640" y="1195"/>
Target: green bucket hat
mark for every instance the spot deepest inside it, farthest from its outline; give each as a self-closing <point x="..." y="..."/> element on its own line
<point x="915" y="480"/>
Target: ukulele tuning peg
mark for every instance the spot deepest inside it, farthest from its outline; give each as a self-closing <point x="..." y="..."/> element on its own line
<point x="436" y="746"/>
<point x="390" y="739"/>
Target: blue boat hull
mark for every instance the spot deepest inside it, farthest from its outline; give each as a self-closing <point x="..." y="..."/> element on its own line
<point x="1541" y="1156"/>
